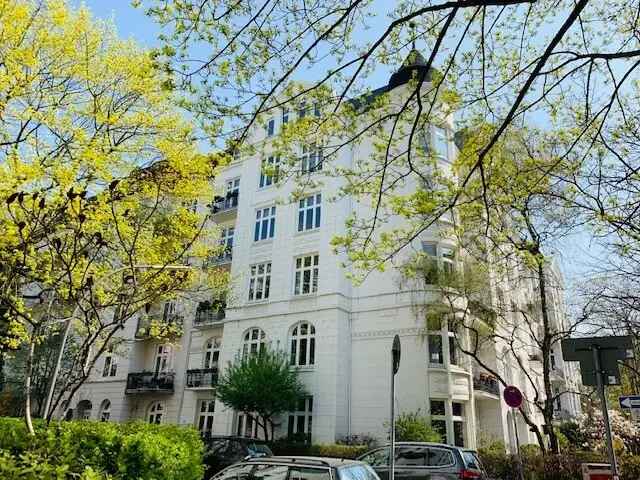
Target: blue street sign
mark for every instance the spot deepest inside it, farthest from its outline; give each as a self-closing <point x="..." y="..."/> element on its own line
<point x="630" y="401"/>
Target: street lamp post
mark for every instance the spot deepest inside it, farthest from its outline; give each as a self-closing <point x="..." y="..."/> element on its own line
<point x="395" y="365"/>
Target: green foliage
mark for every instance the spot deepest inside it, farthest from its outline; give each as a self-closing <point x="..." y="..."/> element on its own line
<point x="566" y="466"/>
<point x="263" y="384"/>
<point x="93" y="451"/>
<point x="284" y="447"/>
<point x="413" y="427"/>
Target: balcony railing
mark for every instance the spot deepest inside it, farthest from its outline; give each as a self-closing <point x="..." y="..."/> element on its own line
<point x="224" y="257"/>
<point x="206" y="314"/>
<point x="202" y="378"/>
<point x="143" y="382"/>
<point x="223" y="204"/>
<point x="486" y="383"/>
<point x="167" y="325"/>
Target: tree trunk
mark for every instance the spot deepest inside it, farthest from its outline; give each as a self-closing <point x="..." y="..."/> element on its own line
<point x="27" y="384"/>
<point x="547" y="345"/>
<point x="265" y="421"/>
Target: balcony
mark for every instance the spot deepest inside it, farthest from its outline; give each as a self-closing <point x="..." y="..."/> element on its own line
<point x="228" y="204"/>
<point x="483" y="382"/>
<point x="202" y="378"/>
<point x="150" y="382"/>
<point x="209" y="314"/>
<point x="159" y="326"/>
<point x="224" y="258"/>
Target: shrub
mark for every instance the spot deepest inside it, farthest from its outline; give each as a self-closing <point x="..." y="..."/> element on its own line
<point x="283" y="447"/>
<point x="359" y="440"/>
<point x="412" y="427"/>
<point x="92" y="451"/>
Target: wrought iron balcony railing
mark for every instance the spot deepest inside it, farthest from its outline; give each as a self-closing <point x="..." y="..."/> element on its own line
<point x="146" y="382"/>
<point x="209" y="316"/>
<point x="486" y="383"/>
<point x="226" y="203"/>
<point x="202" y="378"/>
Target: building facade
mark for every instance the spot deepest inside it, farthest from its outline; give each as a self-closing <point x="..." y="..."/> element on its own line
<point x="292" y="293"/>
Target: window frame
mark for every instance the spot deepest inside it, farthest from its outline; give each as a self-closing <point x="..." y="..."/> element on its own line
<point x="205" y="417"/>
<point x="299" y="274"/>
<point x="248" y="341"/>
<point x="110" y="364"/>
<point x="259" y="279"/>
<point x="296" y="339"/>
<point x="310" y="213"/>
<point x="163" y="358"/>
<point x="266" y="180"/>
<point x="305" y="414"/>
<point x="265" y="224"/>
<point x="311" y="159"/>
<point x="156" y="413"/>
<point x="211" y="353"/>
<point x="270" y="127"/>
<point x="105" y="408"/>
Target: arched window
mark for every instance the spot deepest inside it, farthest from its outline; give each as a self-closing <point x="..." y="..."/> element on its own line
<point x="211" y="353"/>
<point x="254" y="341"/>
<point x="303" y="345"/>
<point x="84" y="410"/>
<point x="156" y="411"/>
<point x="105" y="411"/>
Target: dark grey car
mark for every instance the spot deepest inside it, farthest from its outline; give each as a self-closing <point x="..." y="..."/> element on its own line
<point x="426" y="461"/>
<point x="297" y="468"/>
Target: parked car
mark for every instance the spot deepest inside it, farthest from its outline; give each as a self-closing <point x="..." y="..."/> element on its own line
<point x="222" y="451"/>
<point x="297" y="468"/>
<point x="426" y="461"/>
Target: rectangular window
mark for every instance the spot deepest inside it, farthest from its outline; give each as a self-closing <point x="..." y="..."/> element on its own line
<point x="271" y="127"/>
<point x="435" y="349"/>
<point x="205" y="417"/>
<point x="309" y="210"/>
<point x="437" y="407"/>
<point x="233" y="191"/>
<point x="311" y="159"/>
<point x="265" y="223"/>
<point x="301" y="421"/>
<point x="306" y="278"/>
<point x="285" y="115"/>
<point x="458" y="433"/>
<point x="110" y="364"/>
<point x="259" y="281"/>
<point x="448" y="261"/>
<point x="271" y="166"/>
<point x="316" y="109"/>
<point x="226" y="242"/>
<point x="453" y="353"/>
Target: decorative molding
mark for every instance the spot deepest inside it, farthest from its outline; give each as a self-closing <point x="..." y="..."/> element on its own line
<point x="403" y="332"/>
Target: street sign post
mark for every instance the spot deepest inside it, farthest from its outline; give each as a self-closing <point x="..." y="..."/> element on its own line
<point x="513" y="397"/>
<point x="395" y="365"/>
<point x="599" y="358"/>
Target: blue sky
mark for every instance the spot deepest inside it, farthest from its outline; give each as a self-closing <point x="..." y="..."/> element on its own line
<point x="578" y="254"/>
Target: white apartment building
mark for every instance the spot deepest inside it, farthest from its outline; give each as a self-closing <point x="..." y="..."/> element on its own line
<point x="291" y="293"/>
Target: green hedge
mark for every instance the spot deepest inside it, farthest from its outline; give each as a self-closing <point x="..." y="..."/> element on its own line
<point x="92" y="450"/>
<point x="281" y="447"/>
<point x="566" y="466"/>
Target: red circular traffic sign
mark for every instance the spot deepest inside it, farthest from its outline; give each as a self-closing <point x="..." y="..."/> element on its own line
<point x="513" y="396"/>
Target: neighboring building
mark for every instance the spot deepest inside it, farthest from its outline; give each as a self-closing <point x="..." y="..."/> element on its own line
<point x="293" y="294"/>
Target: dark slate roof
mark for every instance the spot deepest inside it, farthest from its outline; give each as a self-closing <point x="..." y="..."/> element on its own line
<point x="412" y="67"/>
